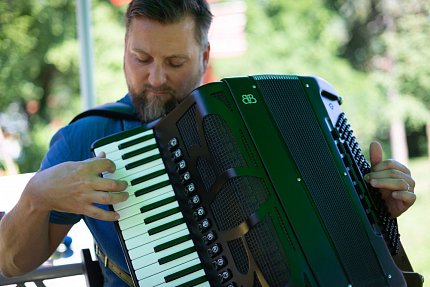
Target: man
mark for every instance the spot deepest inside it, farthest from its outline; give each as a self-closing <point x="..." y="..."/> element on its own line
<point x="166" y="53"/>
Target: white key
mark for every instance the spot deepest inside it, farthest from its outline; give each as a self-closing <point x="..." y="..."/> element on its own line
<point x="138" y="240"/>
<point x="153" y="257"/>
<point x="122" y="173"/>
<point x="151" y="167"/>
<point x="132" y="199"/>
<point x="131" y="210"/>
<point x="110" y="147"/>
<point x="136" y="230"/>
<point x="137" y="219"/>
<point x="157" y="239"/>
<point x="154" y="274"/>
<point x="118" y="153"/>
<point x="147" y="183"/>
<point x="187" y="278"/>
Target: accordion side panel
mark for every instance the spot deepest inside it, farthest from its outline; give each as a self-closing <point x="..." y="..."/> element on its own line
<point x="303" y="133"/>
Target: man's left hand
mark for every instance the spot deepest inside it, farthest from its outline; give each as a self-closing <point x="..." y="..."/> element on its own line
<point x="393" y="180"/>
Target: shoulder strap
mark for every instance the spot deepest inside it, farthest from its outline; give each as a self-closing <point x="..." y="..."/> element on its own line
<point x="115" y="110"/>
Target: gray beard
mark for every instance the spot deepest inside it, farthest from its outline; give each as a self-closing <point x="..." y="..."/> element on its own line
<point x="153" y="108"/>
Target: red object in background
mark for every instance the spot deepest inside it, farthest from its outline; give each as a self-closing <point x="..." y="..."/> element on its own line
<point x="124" y="2"/>
<point x="120" y="2"/>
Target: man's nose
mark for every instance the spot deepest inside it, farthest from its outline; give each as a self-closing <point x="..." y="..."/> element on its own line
<point x="157" y="76"/>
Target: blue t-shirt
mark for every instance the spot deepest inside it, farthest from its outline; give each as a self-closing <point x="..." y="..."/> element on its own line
<point x="73" y="143"/>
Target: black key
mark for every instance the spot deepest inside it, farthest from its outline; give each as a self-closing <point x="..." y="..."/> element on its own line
<point x="182" y="273"/>
<point x="138" y="151"/>
<point x="151" y="188"/>
<point x="172" y="243"/>
<point x="161" y="215"/>
<point x="142" y="161"/>
<point x="157" y="204"/>
<point x="165" y="226"/>
<point x="148" y="176"/>
<point x="176" y="255"/>
<point x="194" y="282"/>
<point x="135" y="141"/>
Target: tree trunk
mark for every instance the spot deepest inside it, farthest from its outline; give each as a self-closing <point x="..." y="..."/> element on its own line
<point x="428" y="139"/>
<point x="399" y="145"/>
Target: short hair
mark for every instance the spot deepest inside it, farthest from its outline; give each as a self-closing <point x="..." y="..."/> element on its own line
<point x="173" y="11"/>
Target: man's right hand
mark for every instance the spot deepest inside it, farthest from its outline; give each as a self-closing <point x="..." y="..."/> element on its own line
<point x="73" y="187"/>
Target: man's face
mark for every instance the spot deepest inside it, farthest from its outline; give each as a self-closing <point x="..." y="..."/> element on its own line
<point x="163" y="63"/>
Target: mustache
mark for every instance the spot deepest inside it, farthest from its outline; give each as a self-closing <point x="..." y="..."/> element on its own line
<point x="162" y="89"/>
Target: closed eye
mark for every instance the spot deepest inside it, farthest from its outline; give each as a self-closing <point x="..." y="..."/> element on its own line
<point x="176" y="62"/>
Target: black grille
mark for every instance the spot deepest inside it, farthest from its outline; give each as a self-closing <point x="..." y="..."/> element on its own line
<point x="238" y="252"/>
<point x="188" y="129"/>
<point x="267" y="251"/>
<point x="237" y="200"/>
<point x="207" y="172"/>
<point x="221" y="143"/>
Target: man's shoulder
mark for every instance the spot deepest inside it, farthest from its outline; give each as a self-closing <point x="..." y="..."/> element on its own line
<point x="117" y="110"/>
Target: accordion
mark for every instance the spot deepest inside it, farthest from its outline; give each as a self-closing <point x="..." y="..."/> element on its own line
<point x="254" y="181"/>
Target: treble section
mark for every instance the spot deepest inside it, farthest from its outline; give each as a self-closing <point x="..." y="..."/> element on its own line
<point x="153" y="232"/>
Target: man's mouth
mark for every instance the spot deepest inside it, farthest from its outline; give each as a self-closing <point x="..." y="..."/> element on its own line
<point x="157" y="93"/>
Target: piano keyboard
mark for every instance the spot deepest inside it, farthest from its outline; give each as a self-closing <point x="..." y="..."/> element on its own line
<point x="158" y="243"/>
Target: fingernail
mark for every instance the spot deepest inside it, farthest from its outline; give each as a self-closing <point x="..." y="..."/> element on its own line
<point x="396" y="194"/>
<point x="117" y="216"/>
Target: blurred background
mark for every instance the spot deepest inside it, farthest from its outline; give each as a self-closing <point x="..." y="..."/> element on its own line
<point x="59" y="57"/>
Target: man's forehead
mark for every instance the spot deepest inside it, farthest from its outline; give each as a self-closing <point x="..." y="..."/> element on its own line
<point x="151" y="37"/>
<point x="186" y="23"/>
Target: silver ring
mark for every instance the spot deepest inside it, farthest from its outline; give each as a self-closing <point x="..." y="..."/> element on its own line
<point x="409" y="188"/>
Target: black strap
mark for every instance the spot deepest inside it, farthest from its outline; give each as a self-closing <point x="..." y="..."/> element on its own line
<point x="115" y="110"/>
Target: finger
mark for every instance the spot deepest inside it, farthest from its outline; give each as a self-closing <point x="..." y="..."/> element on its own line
<point x="375" y="152"/>
<point x="393" y="174"/>
<point x="407" y="197"/>
<point x="101" y="154"/>
<point x="109" y="198"/>
<point x="391" y="184"/>
<point x="99" y="165"/>
<point x="101" y="214"/>
<point x="391" y="164"/>
<point x="107" y="184"/>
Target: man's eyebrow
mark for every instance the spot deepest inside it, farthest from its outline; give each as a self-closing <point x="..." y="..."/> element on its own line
<point x="178" y="56"/>
<point x="139" y="50"/>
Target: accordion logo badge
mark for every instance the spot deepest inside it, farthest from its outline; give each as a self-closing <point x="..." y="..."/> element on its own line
<point x="249" y="99"/>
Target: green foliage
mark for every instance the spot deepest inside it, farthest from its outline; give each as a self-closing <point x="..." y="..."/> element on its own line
<point x="389" y="40"/>
<point x="108" y="33"/>
<point x="28" y="30"/>
<point x="40" y="56"/>
<point x="412" y="224"/>
<point x="303" y="37"/>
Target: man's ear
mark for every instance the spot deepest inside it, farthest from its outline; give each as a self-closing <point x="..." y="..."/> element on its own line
<point x="205" y="57"/>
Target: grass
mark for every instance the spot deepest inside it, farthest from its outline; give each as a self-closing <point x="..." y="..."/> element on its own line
<point x="413" y="225"/>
